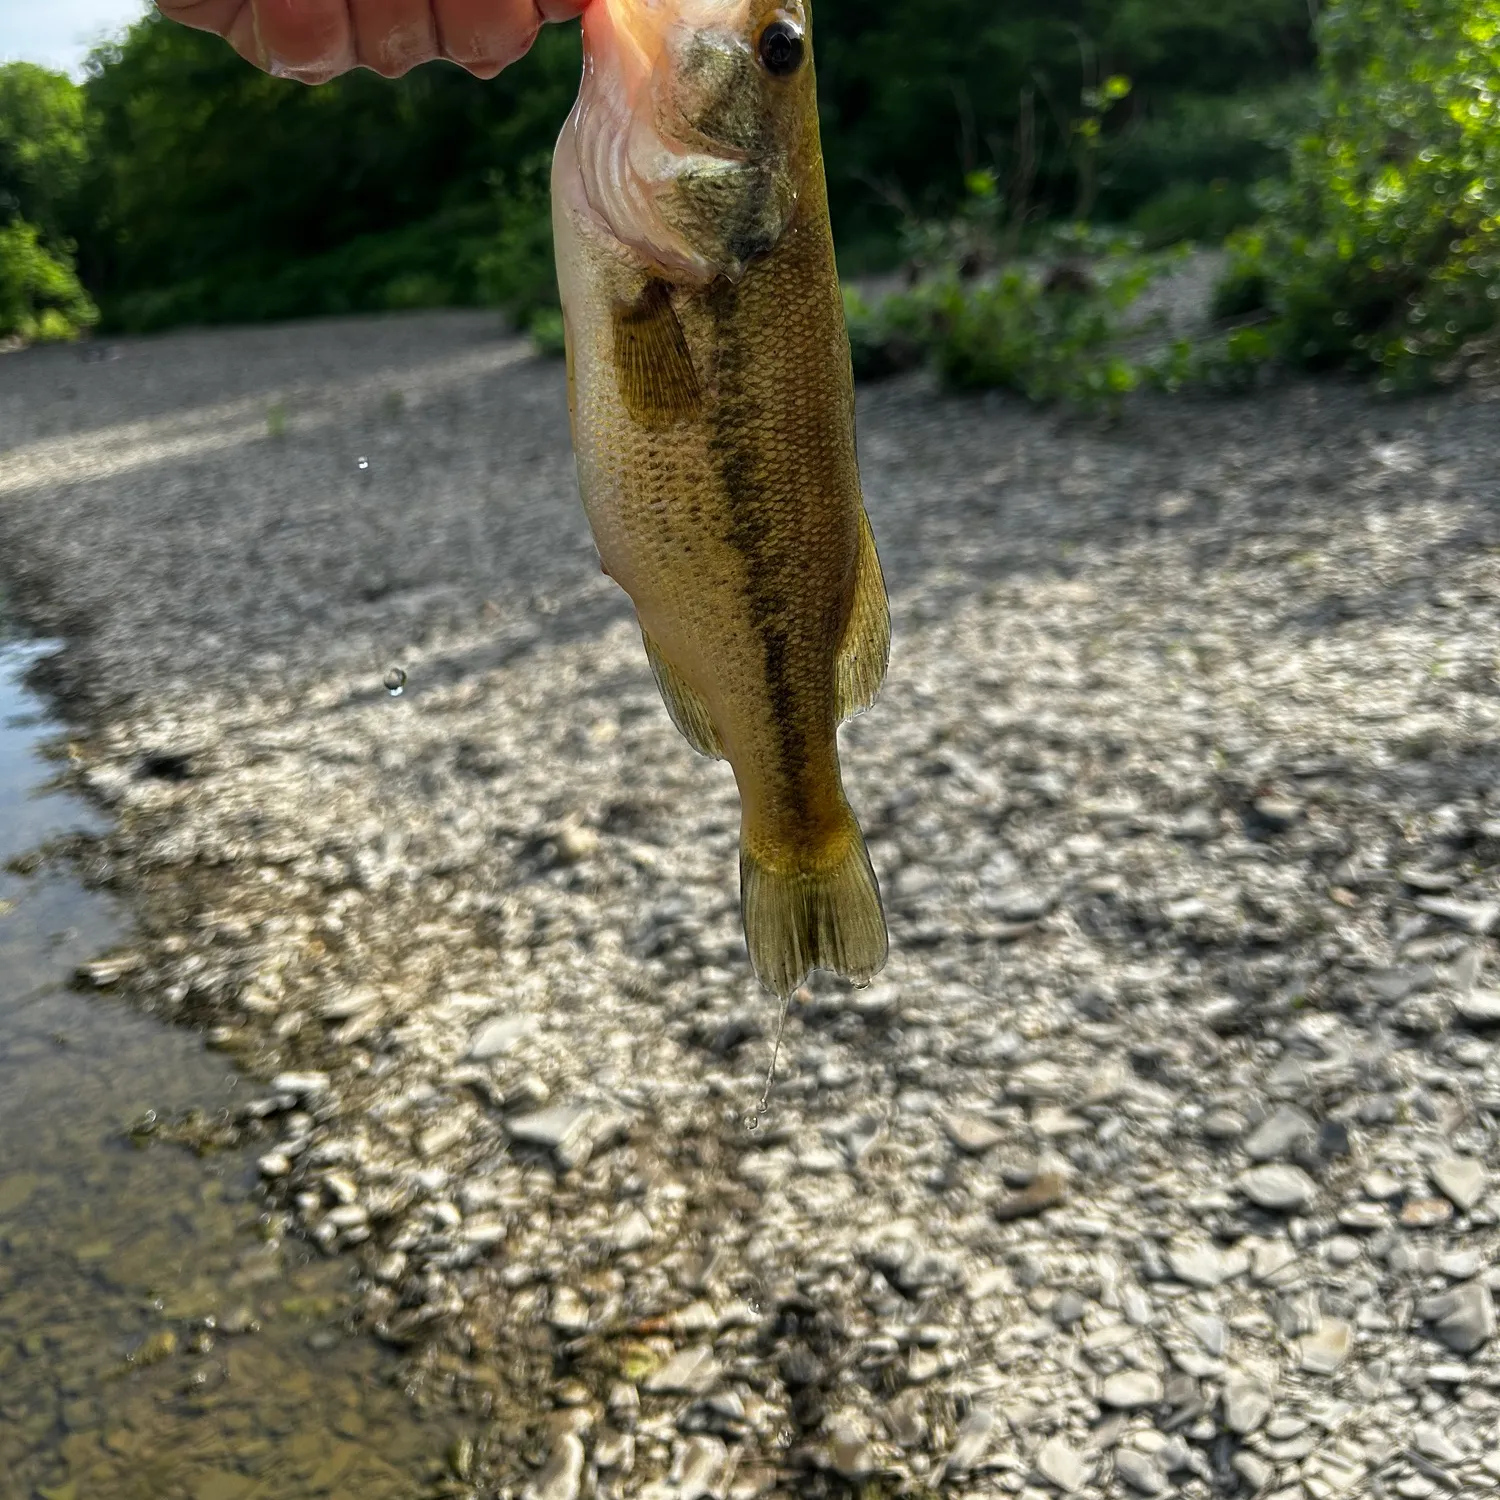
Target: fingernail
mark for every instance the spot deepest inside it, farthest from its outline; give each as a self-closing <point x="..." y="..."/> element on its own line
<point x="263" y="58"/>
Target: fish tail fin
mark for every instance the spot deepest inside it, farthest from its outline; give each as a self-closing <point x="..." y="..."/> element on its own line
<point x="803" y="913"/>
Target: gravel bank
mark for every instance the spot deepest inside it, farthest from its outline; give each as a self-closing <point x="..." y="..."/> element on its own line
<point x="1162" y="1160"/>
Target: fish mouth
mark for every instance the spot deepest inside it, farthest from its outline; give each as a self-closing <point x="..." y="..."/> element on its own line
<point x="696" y="202"/>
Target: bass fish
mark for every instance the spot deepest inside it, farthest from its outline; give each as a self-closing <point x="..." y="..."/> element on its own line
<point x="712" y="401"/>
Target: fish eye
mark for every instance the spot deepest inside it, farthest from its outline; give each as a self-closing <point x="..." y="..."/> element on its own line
<point x="781" y="48"/>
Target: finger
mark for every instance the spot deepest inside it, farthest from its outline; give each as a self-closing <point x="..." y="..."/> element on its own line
<point x="561" y="10"/>
<point x="393" y="36"/>
<point x="485" y="36"/>
<point x="205" y="15"/>
<point x="307" y="39"/>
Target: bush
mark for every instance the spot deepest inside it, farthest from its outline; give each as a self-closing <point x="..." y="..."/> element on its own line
<point x="40" y="295"/>
<point x="1056" y="329"/>
<point x="1050" y="335"/>
<point x="516" y="271"/>
<point x="1194" y="213"/>
<point x="1383" y="251"/>
<point x="1186" y="171"/>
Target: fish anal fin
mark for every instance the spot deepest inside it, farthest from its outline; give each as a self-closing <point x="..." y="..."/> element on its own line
<point x="866" y="650"/>
<point x="684" y="703"/>
<point x="653" y="364"/>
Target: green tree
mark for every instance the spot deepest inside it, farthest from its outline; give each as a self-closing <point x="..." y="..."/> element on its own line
<point x="42" y="155"/>
<point x="917" y="94"/>
<point x="215" y="192"/>
<point x="1383" y="251"/>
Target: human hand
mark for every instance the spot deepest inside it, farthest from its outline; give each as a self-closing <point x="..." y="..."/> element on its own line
<point x="315" y="40"/>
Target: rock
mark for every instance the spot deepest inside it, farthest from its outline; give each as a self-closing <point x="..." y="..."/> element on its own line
<point x="390" y="1268"/>
<point x="690" y="1372"/>
<point x="1271" y="1259"/>
<point x="1223" y="1125"/>
<point x="1479" y="1007"/>
<point x="303" y="1085"/>
<point x="633" y="1232"/>
<point x="1276" y="1186"/>
<point x="1253" y="1469"/>
<point x="1140" y="1471"/>
<point x="1047" y="1190"/>
<point x="1136" y="1306"/>
<point x="614" y="1450"/>
<point x="104" y="972"/>
<point x="1247" y="1404"/>
<point x="1390" y="986"/>
<point x="1326" y="1348"/>
<point x="1342" y="1250"/>
<point x="1277" y="813"/>
<point x="1281" y="1134"/>
<point x="972" y="1441"/>
<point x="1365" y="1217"/>
<point x="562" y="1474"/>
<point x="1464" y="1318"/>
<point x="1069" y="1309"/>
<point x="496" y="1038"/>
<point x="274" y="1164"/>
<point x="1128" y="1389"/>
<point x="1477" y="917"/>
<point x="569" y="1314"/>
<point x="1199" y="1264"/>
<point x="1062" y="1465"/>
<point x="624" y="1403"/>
<point x="703" y="1461"/>
<point x="906" y="1421"/>
<point x="972" y="1134"/>
<point x="563" y="1130"/>
<point x="1462" y="1179"/>
<point x="1432" y="1442"/>
<point x="1460" y="1265"/>
<point x="1426" y="1213"/>
<point x="1208" y="1330"/>
<point x="437" y="1138"/>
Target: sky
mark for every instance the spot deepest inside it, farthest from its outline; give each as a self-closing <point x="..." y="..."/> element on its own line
<point x="58" y="33"/>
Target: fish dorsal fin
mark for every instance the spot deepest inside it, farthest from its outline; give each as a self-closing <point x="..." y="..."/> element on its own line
<point x="685" y="704"/>
<point x="866" y="650"/>
<point x="653" y="363"/>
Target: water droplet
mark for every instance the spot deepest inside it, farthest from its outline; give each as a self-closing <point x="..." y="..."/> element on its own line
<point x="364" y="463"/>
<point x="395" y="682"/>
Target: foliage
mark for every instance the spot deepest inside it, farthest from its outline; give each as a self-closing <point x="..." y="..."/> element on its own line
<point x="917" y="94"/>
<point x="42" y="146"/>
<point x="1186" y="170"/>
<point x="40" y="295"/>
<point x="1383" y="251"/>
<point x="1060" y="327"/>
<point x="214" y="192"/>
<point x="42" y="153"/>
<point x="517" y="270"/>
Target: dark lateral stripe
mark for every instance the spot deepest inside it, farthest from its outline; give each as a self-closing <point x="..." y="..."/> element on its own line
<point x="732" y="443"/>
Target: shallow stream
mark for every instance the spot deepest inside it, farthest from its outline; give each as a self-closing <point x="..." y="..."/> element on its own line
<point x="157" y="1342"/>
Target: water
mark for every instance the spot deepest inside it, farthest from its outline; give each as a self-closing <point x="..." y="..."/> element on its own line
<point x="122" y="1267"/>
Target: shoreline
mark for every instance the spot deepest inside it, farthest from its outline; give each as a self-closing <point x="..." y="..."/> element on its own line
<point x="1088" y="1183"/>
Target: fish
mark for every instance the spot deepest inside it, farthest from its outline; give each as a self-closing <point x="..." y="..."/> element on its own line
<point x="712" y="402"/>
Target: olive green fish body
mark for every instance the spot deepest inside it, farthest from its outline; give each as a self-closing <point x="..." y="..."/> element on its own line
<point x="713" y="416"/>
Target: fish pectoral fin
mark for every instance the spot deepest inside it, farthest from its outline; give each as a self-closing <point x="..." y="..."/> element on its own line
<point x="653" y="364"/>
<point x="866" y="651"/>
<point x="684" y="703"/>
